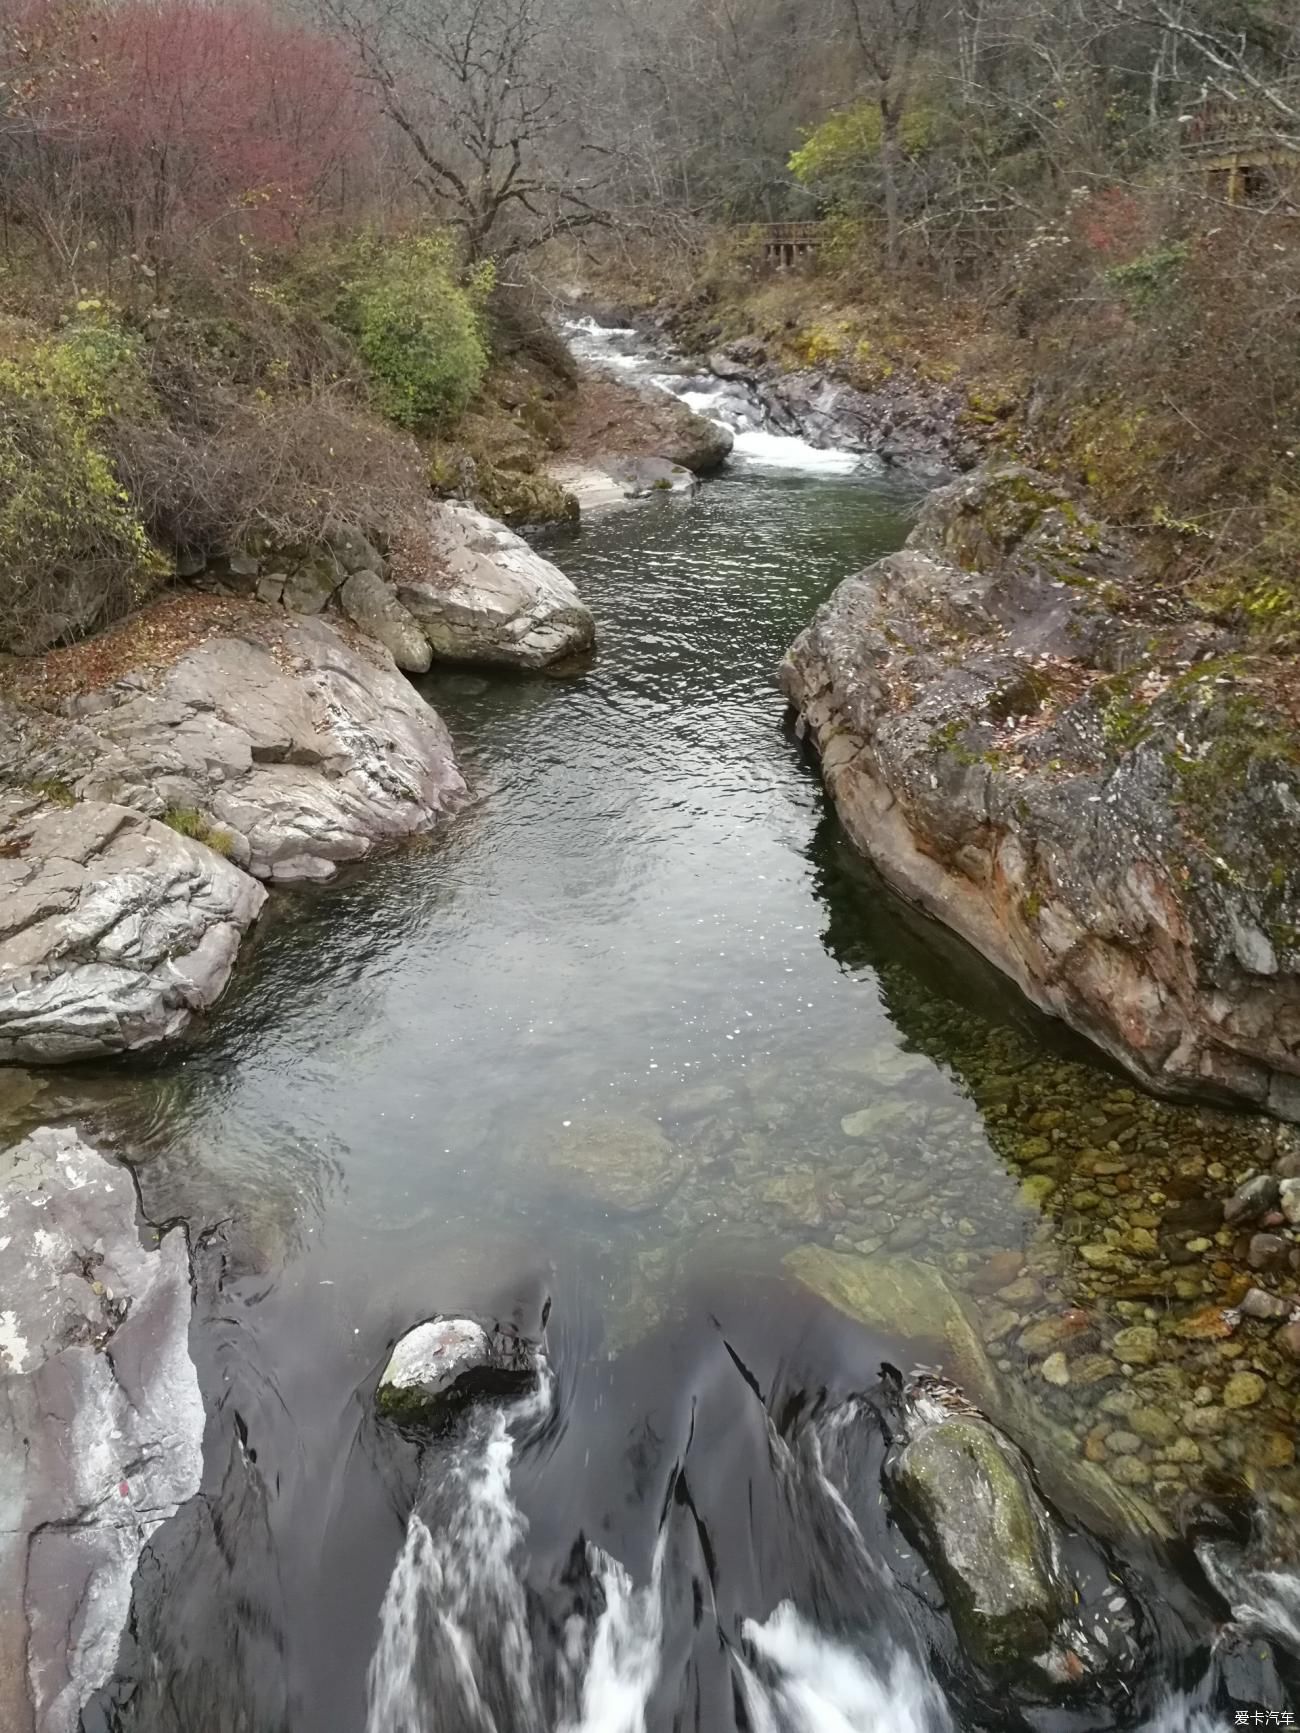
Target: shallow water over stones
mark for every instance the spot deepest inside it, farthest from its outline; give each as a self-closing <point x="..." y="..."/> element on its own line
<point x="640" y="1013"/>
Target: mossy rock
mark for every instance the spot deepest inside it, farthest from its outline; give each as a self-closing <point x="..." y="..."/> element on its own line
<point x="965" y="1496"/>
<point x="905" y="1298"/>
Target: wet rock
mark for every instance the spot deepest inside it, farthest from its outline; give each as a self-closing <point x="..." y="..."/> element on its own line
<point x="1138" y="1345"/>
<point x="1056" y="1370"/>
<point x="369" y="601"/>
<point x="904" y="1298"/>
<point x="1244" y="1390"/>
<point x="627" y="1166"/>
<point x="962" y="693"/>
<point x="445" y="1362"/>
<point x="101" y="1421"/>
<point x="1251" y="1200"/>
<point x="1289" y="1200"/>
<point x="1152" y="1424"/>
<point x="1257" y="1303"/>
<point x="1210" y="1324"/>
<point x="1288" y="1340"/>
<point x="1268" y="1448"/>
<point x="965" y="1496"/>
<point x="495" y="599"/>
<point x="1129" y="1470"/>
<point x="1266" y="1251"/>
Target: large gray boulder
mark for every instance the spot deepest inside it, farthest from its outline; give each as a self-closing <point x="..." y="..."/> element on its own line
<point x="297" y="747"/>
<point x="101" y="1420"/>
<point x="114" y="929"/>
<point x="494" y="599"/>
<point x="133" y="833"/>
<point x="1105" y="804"/>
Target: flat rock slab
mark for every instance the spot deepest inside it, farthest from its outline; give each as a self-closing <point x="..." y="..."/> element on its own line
<point x="134" y="834"/>
<point x="303" y="751"/>
<point x="101" y="1420"/>
<point x="607" y="481"/>
<point x="496" y="599"/>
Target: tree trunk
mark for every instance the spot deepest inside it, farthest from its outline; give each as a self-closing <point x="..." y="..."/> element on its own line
<point x="890" y="119"/>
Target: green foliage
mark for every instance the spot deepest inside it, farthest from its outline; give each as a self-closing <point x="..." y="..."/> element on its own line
<point x="419" y="330"/>
<point x="95" y="369"/>
<point x="849" y="140"/>
<point x="188" y="821"/>
<point x="1147" y="282"/>
<point x="71" y="545"/>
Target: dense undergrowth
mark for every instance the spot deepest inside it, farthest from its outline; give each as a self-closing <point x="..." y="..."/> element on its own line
<point x="259" y="407"/>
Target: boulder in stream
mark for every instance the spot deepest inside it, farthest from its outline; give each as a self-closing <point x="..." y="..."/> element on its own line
<point x="1101" y="795"/>
<point x="445" y="1362"/>
<point x="965" y="1495"/>
<point x="101" y="1422"/>
<point x="494" y="599"/>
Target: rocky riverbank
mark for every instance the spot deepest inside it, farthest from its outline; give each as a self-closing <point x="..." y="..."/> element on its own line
<point x="101" y="1422"/>
<point x="140" y="820"/>
<point x="1100" y="796"/>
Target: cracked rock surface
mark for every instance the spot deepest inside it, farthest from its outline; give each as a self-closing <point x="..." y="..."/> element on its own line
<point x="101" y="1417"/>
<point x="277" y="756"/>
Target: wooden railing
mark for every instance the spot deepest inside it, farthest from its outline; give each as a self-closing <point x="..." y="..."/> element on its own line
<point x="1223" y="126"/>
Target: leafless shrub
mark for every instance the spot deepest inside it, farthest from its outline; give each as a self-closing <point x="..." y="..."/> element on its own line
<point x="275" y="473"/>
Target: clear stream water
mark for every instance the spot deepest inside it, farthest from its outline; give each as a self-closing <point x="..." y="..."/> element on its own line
<point x="634" y="1026"/>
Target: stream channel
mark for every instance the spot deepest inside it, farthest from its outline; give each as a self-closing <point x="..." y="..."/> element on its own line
<point x="635" y="1027"/>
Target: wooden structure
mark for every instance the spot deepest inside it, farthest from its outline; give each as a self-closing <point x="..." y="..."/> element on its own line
<point x="785" y="245"/>
<point x="1248" y="151"/>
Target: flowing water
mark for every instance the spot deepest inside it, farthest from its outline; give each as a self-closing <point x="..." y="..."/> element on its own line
<point x="634" y="1027"/>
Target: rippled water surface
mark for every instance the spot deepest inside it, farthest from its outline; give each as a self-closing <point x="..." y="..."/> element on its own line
<point x="635" y="1022"/>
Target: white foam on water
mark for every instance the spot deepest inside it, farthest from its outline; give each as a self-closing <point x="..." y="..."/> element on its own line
<point x="454" y="1611"/>
<point x="623" y="1662"/>
<point x="1266" y="1601"/>
<point x="818" y="1684"/>
<point x="754" y="447"/>
<point x="1179" y="1715"/>
<point x="758" y="449"/>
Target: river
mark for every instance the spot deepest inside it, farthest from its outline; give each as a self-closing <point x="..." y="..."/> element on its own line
<point x="634" y="1027"/>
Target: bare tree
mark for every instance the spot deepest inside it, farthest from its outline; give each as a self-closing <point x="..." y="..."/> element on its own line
<point x="889" y="35"/>
<point x="484" y="93"/>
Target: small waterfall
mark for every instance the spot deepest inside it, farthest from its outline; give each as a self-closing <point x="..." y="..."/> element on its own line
<point x="454" y="1633"/>
<point x="732" y="403"/>
<point x="800" y="1681"/>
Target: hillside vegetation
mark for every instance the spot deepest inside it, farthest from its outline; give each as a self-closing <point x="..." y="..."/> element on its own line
<point x="267" y="267"/>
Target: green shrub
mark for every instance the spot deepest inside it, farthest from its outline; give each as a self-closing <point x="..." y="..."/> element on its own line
<point x="72" y="549"/>
<point x="419" y="331"/>
<point x="1148" y="281"/>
